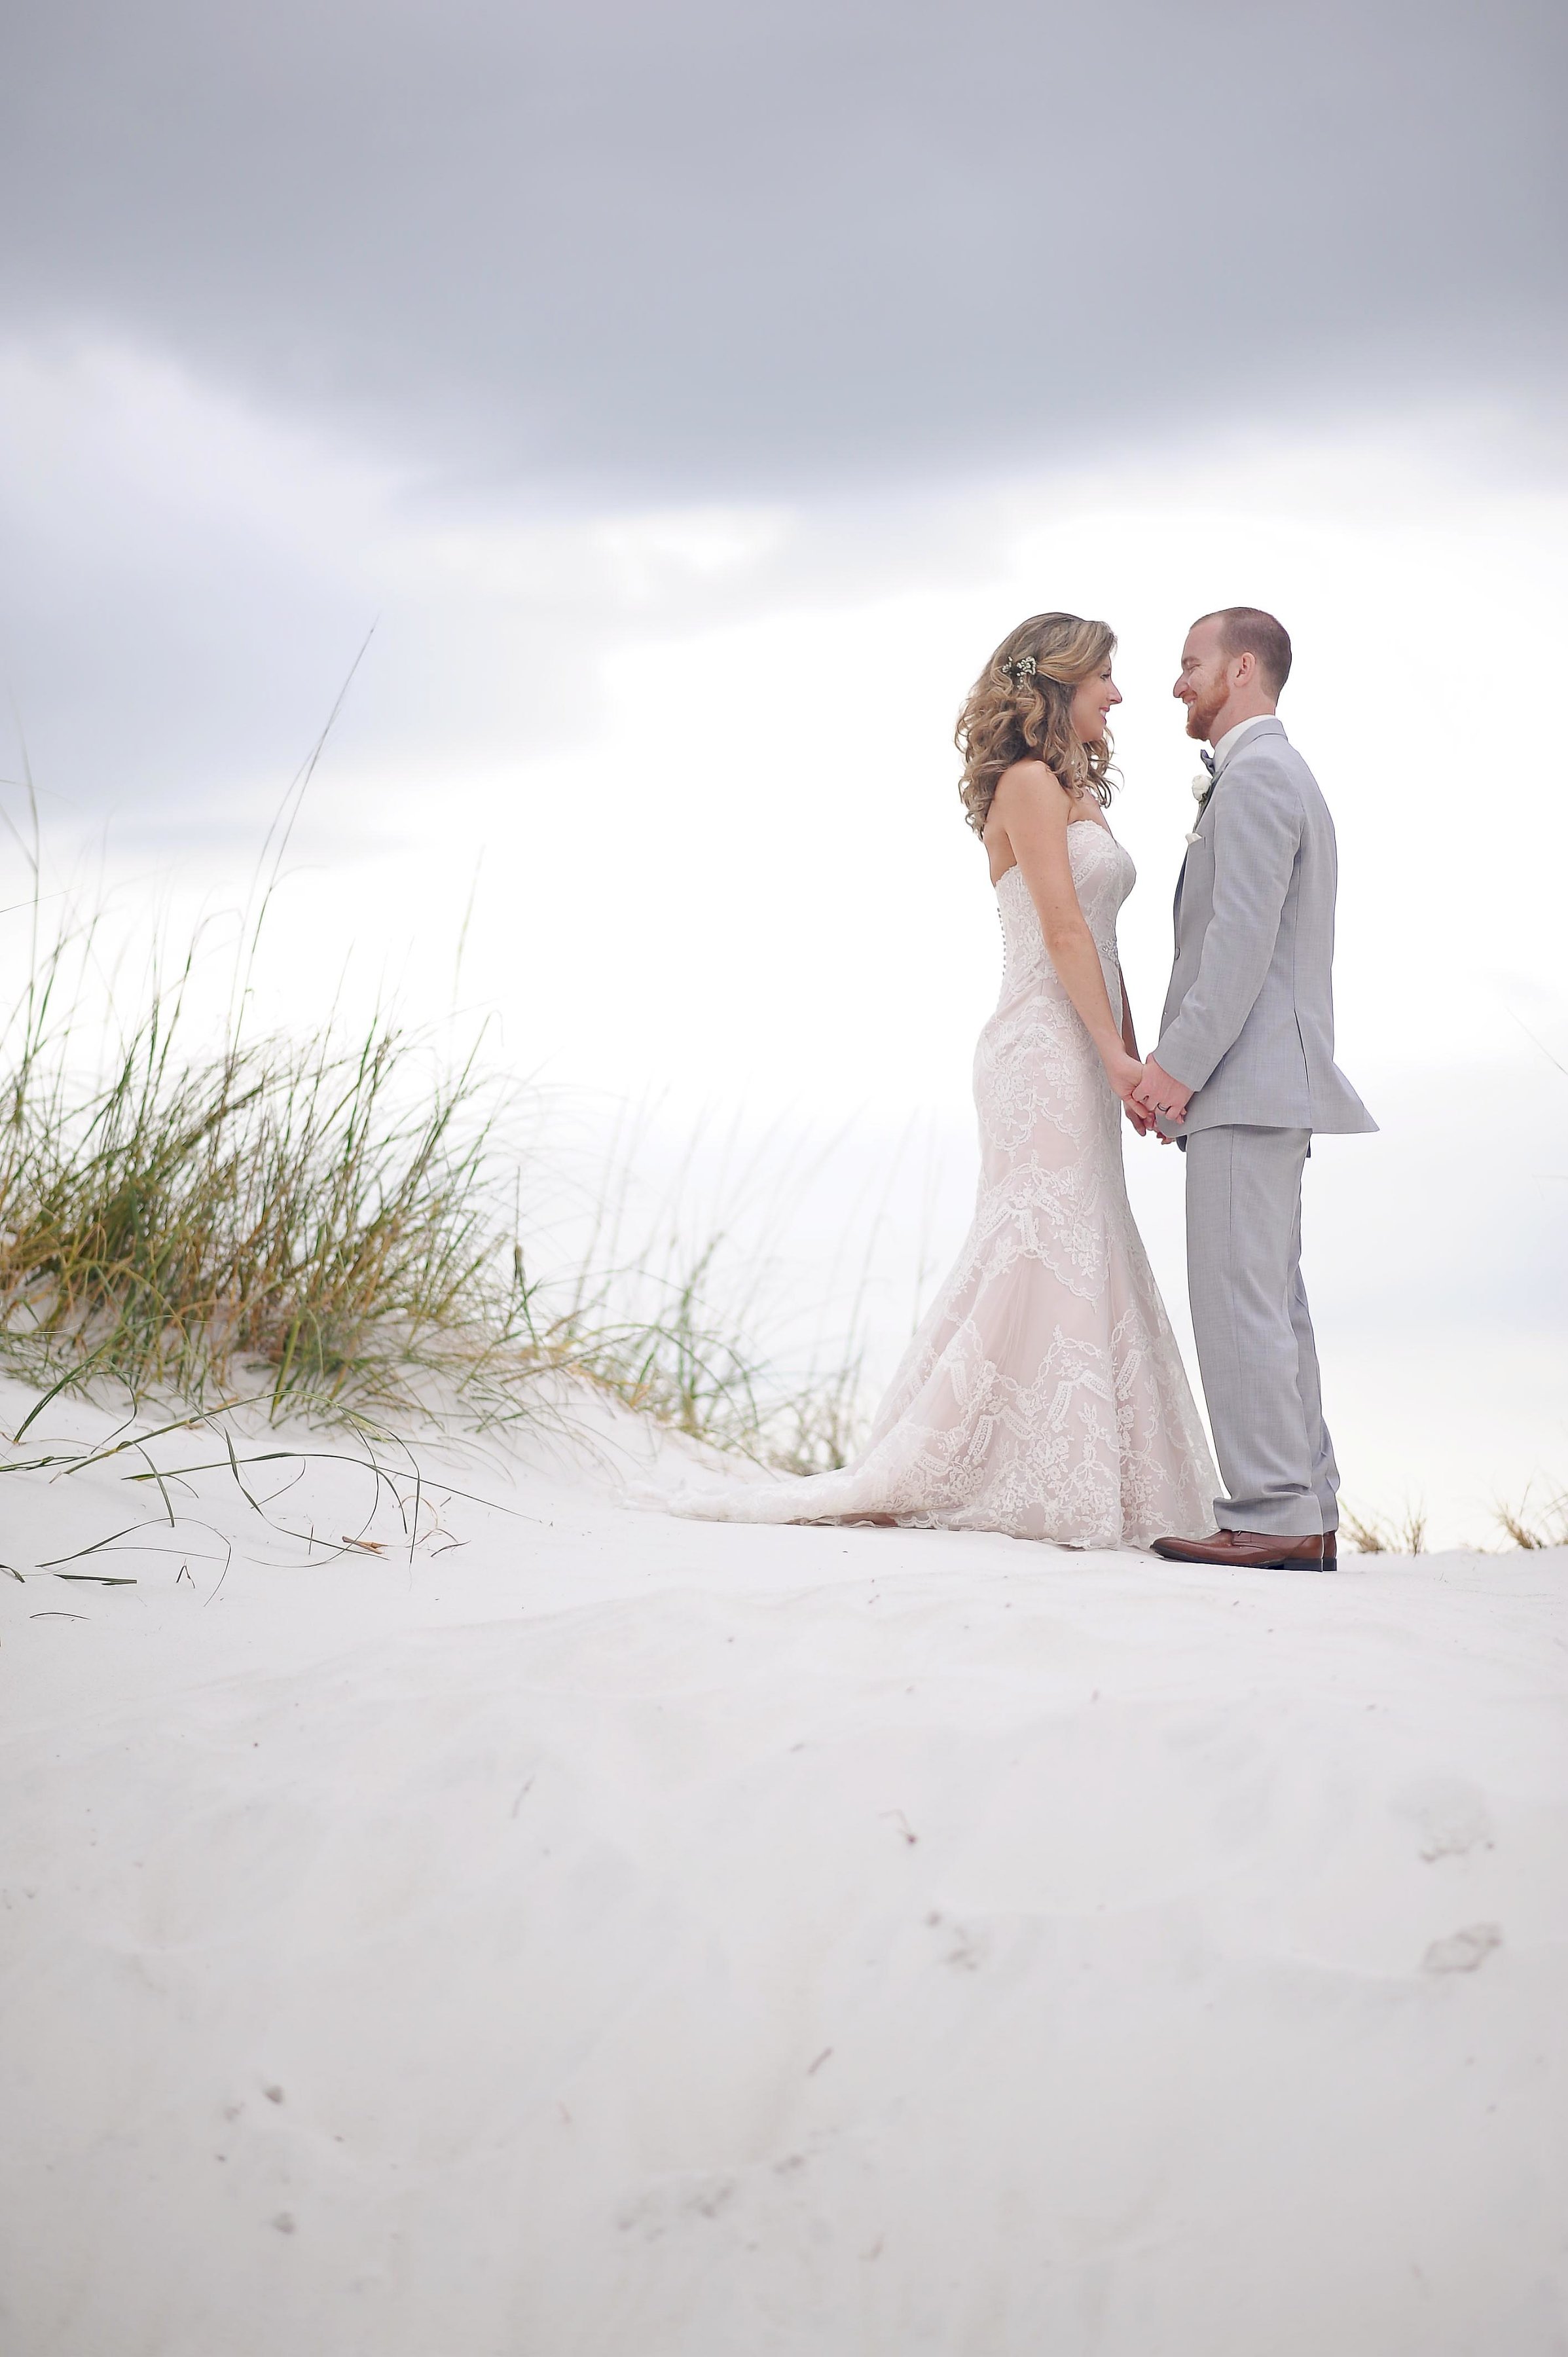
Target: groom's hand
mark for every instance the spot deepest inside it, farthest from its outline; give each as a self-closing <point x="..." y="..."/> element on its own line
<point x="1160" y="1093"/>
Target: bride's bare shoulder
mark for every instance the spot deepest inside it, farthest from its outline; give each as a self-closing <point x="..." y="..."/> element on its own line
<point x="1031" y="785"/>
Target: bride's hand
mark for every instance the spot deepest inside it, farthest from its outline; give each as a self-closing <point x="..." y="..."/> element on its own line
<point x="1125" y="1072"/>
<point x="1125" y="1076"/>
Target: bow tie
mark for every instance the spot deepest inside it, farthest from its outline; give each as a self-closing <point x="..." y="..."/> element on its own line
<point x="1207" y="758"/>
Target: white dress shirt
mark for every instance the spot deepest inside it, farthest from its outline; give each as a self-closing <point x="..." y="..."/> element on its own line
<point x="1232" y="738"/>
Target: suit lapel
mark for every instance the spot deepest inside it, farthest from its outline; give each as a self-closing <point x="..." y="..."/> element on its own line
<point x="1270" y="726"/>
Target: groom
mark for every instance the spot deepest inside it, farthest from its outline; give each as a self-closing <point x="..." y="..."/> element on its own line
<point x="1243" y="1074"/>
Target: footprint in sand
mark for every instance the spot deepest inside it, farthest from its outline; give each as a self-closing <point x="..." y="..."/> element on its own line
<point x="1464" y="1950"/>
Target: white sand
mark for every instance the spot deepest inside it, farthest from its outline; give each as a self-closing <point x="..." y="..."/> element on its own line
<point x="616" y="1937"/>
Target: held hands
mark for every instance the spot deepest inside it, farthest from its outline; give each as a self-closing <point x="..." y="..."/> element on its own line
<point x="1148" y="1093"/>
<point x="1158" y="1094"/>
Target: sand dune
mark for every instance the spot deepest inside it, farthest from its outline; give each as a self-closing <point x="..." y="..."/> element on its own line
<point x="580" y="1934"/>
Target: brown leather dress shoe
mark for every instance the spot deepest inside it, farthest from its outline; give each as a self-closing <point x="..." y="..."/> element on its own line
<point x="1254" y="1551"/>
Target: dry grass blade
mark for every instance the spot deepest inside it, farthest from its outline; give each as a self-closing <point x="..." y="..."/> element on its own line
<point x="1367" y="1536"/>
<point x="1543" y="1526"/>
<point x="1403" y="1533"/>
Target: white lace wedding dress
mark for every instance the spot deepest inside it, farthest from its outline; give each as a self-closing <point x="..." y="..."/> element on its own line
<point x="1044" y="1394"/>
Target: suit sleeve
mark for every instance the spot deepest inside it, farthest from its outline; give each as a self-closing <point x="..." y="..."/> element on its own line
<point x="1254" y="839"/>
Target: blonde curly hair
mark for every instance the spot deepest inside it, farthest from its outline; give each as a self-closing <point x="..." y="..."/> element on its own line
<point x="1019" y="710"/>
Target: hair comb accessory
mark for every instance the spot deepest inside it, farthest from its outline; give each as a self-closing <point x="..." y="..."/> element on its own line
<point x="1019" y="667"/>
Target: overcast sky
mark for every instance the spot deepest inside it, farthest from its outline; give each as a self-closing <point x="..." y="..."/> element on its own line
<point x="284" y="288"/>
<point x="691" y="398"/>
<point x="601" y="251"/>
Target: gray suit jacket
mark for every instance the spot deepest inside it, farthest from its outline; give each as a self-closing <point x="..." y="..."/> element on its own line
<point x="1249" y="1019"/>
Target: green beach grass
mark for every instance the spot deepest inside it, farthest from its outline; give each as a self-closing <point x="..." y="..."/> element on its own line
<point x="341" y="1224"/>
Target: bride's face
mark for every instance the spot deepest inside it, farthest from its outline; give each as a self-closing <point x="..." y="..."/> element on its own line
<point x="1093" y="699"/>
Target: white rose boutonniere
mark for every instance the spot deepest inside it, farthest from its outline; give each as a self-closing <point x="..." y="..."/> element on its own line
<point x="1202" y="787"/>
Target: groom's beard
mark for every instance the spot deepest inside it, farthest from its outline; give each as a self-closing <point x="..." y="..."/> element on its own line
<point x="1201" y="718"/>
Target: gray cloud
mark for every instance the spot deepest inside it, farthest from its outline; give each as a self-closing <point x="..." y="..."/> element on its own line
<point x="628" y="251"/>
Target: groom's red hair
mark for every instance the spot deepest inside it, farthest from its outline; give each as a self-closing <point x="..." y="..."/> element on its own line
<point x="1247" y="630"/>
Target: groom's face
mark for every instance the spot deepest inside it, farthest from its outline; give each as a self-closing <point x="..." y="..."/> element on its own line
<point x="1203" y="683"/>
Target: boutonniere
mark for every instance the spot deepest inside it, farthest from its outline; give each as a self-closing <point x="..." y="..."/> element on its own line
<point x="1202" y="787"/>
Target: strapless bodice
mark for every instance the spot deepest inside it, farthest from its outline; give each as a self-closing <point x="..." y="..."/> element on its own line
<point x="1102" y="875"/>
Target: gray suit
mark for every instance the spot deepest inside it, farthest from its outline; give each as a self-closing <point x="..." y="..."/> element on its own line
<point x="1249" y="1028"/>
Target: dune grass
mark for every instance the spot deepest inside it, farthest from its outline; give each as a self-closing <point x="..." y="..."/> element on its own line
<point x="322" y="1225"/>
<point x="333" y="1224"/>
<point x="1403" y="1534"/>
<point x="1525" y="1524"/>
<point x="1530" y="1525"/>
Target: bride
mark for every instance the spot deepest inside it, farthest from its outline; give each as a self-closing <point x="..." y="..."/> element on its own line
<point x="1043" y="1394"/>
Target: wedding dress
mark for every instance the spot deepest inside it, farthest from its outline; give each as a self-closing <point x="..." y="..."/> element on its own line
<point x="1043" y="1394"/>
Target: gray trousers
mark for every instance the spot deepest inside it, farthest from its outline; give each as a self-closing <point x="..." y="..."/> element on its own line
<point x="1255" y="1345"/>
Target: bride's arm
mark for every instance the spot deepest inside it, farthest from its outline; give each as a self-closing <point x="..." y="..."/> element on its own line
<point x="1141" y="1120"/>
<point x="1032" y="810"/>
